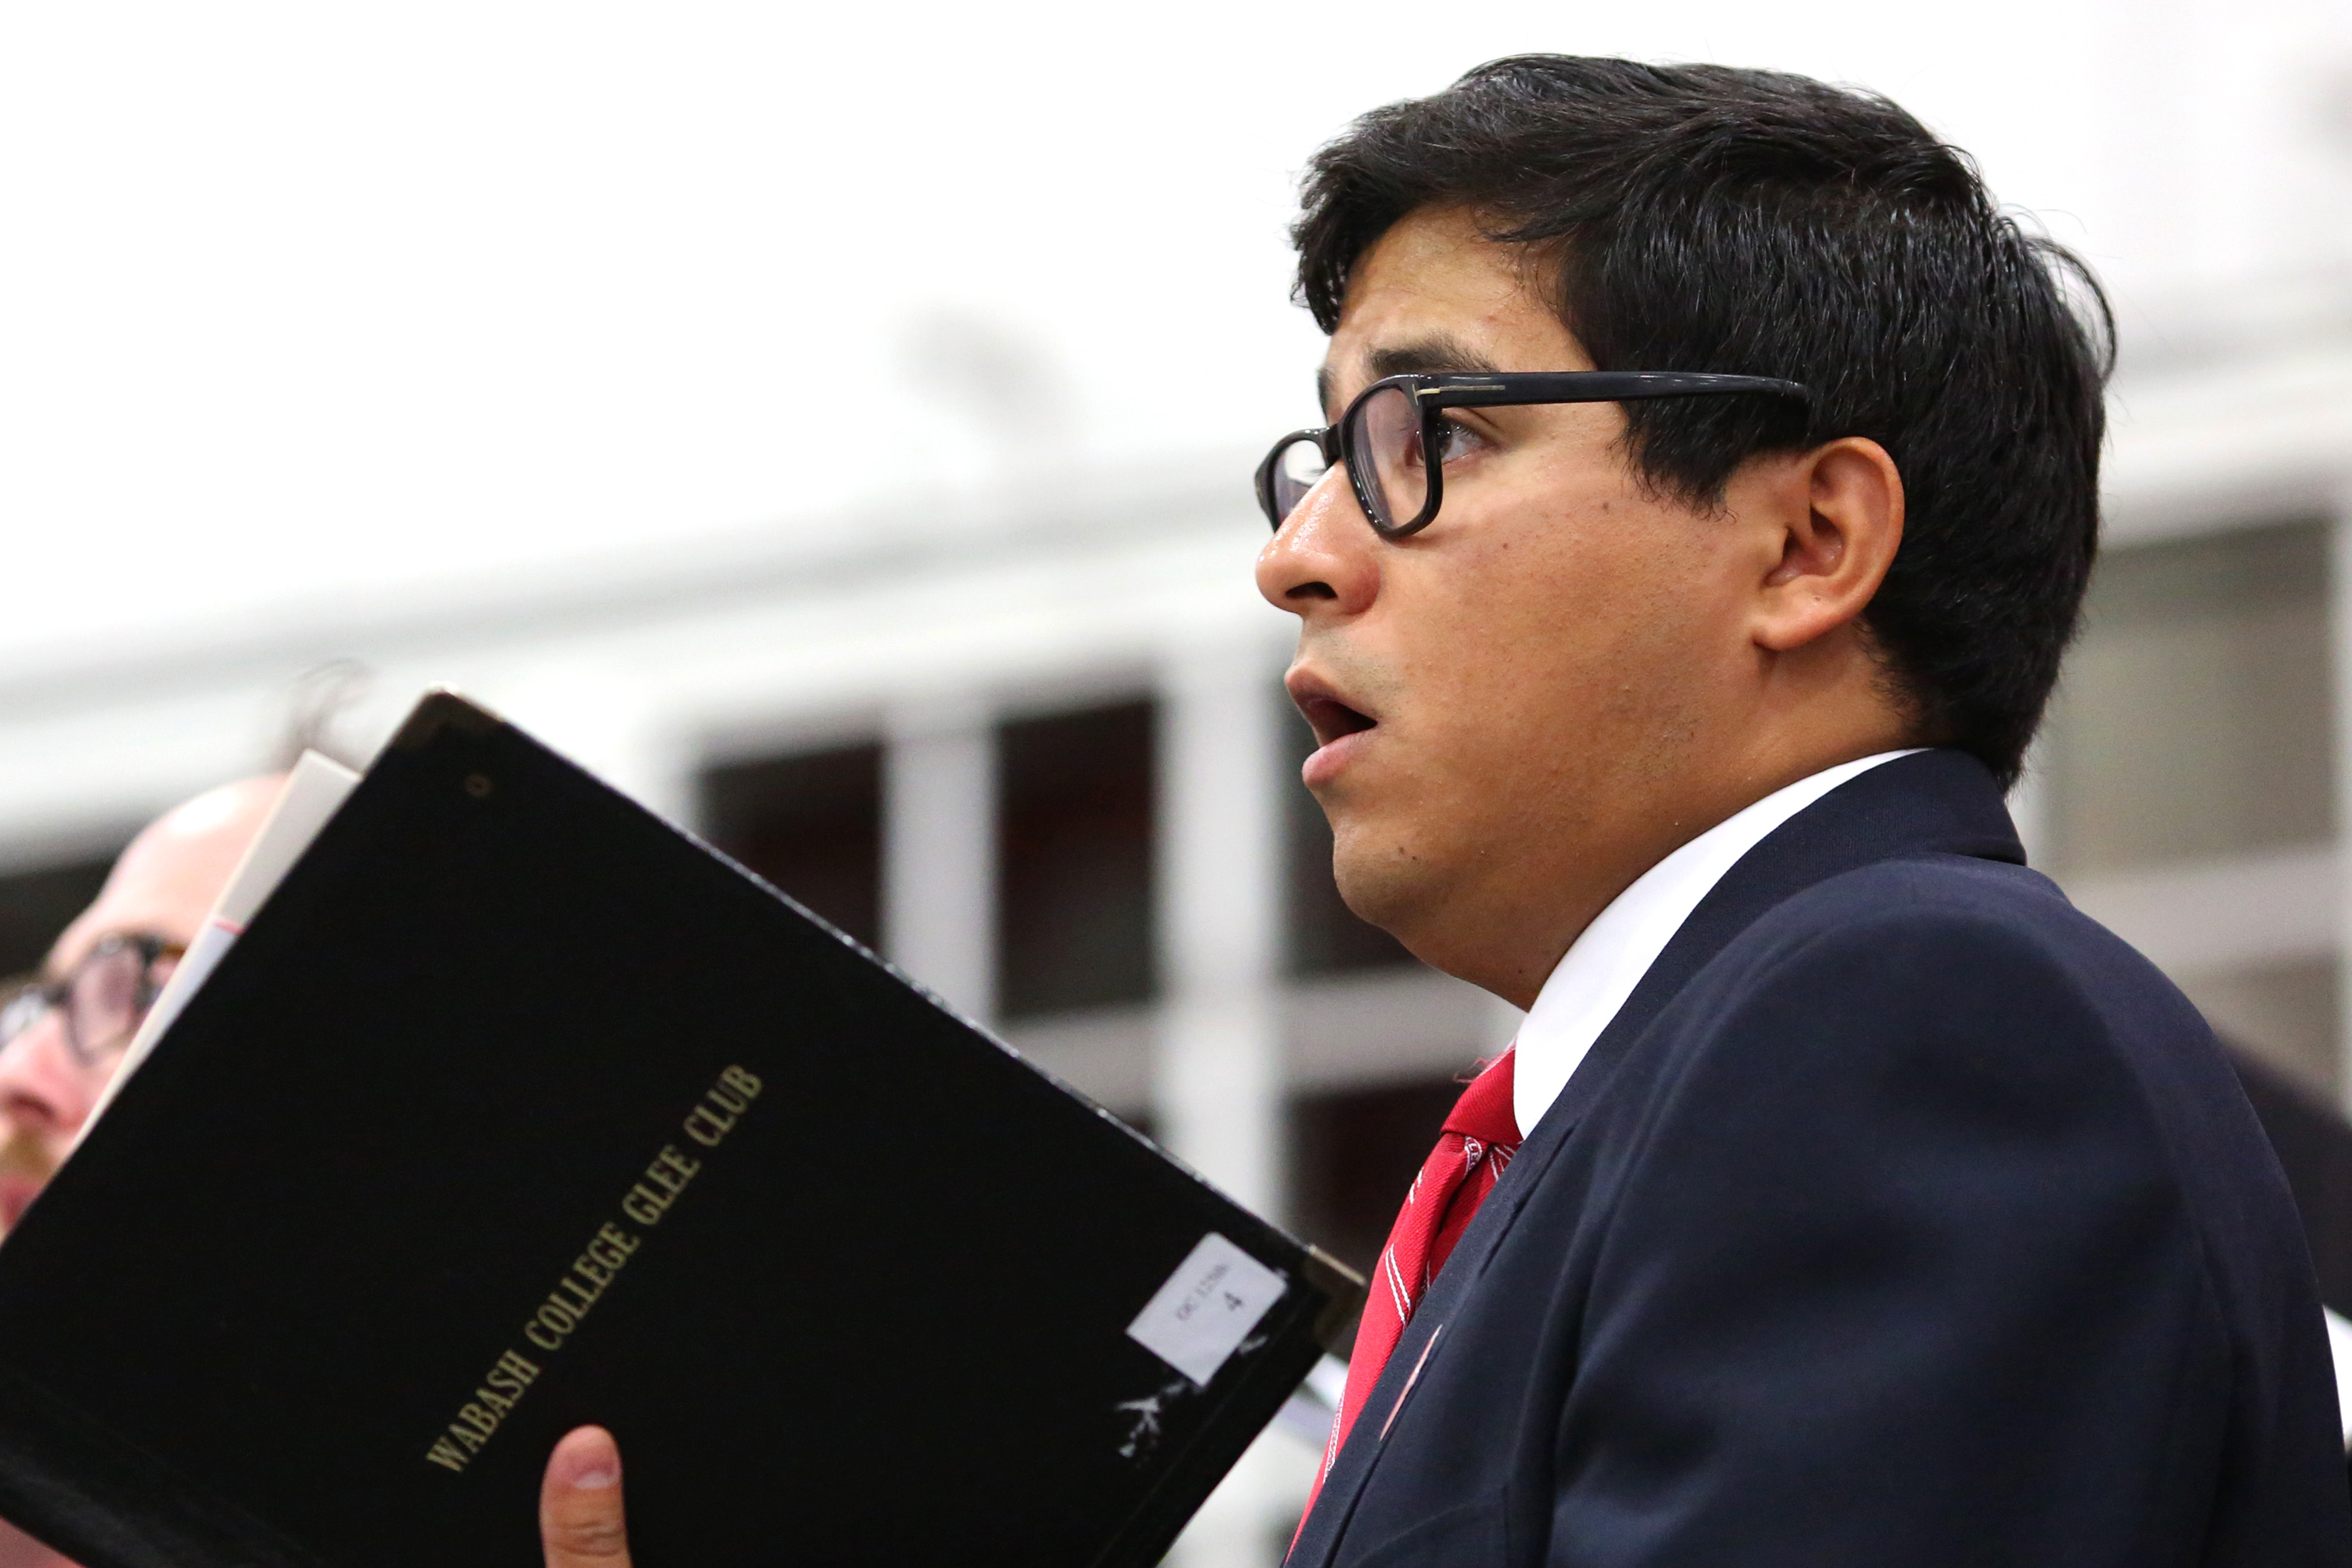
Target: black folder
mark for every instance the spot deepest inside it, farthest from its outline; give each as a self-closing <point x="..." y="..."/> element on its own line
<point x="516" y="1109"/>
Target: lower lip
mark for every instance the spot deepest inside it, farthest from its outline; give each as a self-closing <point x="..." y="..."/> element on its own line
<point x="1329" y="758"/>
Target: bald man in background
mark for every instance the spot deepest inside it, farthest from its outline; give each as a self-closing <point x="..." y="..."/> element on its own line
<point x="62" y="1037"/>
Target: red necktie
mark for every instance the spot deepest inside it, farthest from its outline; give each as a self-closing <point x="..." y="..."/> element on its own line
<point x="1479" y="1139"/>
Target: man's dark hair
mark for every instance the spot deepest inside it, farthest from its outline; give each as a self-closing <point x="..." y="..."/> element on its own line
<point x="1704" y="219"/>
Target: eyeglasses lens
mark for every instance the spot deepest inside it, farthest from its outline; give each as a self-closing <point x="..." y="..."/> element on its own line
<point x="108" y="996"/>
<point x="25" y="1006"/>
<point x="1297" y="470"/>
<point x="1386" y="439"/>
<point x="100" y="1003"/>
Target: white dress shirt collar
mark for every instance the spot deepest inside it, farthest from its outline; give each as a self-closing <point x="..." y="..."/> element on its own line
<point x="1601" y="969"/>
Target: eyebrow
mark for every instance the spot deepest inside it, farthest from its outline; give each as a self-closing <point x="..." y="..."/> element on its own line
<point x="49" y="972"/>
<point x="1431" y="356"/>
<point x="1439" y="355"/>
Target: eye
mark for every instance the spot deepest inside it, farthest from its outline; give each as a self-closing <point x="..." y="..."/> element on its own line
<point x="1456" y="440"/>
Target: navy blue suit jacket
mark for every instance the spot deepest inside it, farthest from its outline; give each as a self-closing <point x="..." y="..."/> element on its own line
<point x="1904" y="1216"/>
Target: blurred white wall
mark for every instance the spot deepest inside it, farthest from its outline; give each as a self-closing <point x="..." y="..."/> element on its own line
<point x="299" y="300"/>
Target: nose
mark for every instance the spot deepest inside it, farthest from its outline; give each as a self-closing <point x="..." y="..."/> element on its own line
<point x="44" y="1091"/>
<point x="1324" y="559"/>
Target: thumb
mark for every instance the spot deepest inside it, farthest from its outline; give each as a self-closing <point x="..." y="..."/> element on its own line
<point x="579" y="1522"/>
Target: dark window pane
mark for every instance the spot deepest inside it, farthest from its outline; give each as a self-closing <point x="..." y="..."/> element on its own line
<point x="2194" y="718"/>
<point x="37" y="905"/>
<point x="2284" y="1012"/>
<point x="1073" y="835"/>
<point x="1355" y="1153"/>
<point x="1325" y="938"/>
<point x="812" y="824"/>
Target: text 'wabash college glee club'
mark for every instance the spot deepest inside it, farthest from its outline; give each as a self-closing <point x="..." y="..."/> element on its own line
<point x="594" y="1272"/>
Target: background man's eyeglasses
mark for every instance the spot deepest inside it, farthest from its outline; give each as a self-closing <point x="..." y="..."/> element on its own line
<point x="1393" y="440"/>
<point x="100" y="1001"/>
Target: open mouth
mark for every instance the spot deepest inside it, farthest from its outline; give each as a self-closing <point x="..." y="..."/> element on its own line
<point x="1331" y="719"/>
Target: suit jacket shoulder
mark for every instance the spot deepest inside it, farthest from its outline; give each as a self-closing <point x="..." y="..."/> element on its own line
<point x="1993" y="971"/>
<point x="1913" y="1217"/>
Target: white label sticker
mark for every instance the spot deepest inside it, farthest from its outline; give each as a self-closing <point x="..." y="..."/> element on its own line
<point x="1206" y="1308"/>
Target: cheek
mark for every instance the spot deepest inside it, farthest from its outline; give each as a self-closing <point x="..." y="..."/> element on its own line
<point x="1570" y="647"/>
<point x="1541" y="610"/>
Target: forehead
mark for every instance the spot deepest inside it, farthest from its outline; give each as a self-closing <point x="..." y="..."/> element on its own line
<point x="1436" y="288"/>
<point x="165" y="883"/>
<point x="164" y="886"/>
<point x="163" y="907"/>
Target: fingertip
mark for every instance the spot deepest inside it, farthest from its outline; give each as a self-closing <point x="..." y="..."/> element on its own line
<point x="580" y="1516"/>
<point x="587" y="1460"/>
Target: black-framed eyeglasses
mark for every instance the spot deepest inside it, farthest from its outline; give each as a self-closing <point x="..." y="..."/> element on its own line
<point x="1388" y="434"/>
<point x="100" y="1001"/>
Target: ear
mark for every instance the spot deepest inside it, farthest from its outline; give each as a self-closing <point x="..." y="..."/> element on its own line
<point x="1839" y="522"/>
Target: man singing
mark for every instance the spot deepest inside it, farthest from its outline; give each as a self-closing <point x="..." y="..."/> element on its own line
<point x="1709" y="488"/>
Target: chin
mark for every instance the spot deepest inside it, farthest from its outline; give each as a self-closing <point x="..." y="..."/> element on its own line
<point x="1391" y="888"/>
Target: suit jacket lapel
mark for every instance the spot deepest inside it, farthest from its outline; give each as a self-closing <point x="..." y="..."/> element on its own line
<point x="1935" y="801"/>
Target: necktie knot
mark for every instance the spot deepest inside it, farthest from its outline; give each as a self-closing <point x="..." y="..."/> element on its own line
<point x="1484" y="1112"/>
